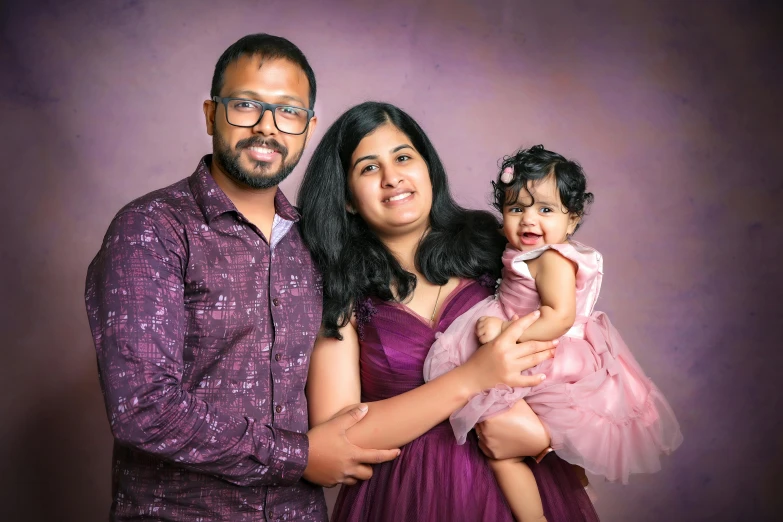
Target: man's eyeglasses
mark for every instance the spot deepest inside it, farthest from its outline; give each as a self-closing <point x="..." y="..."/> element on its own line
<point x="247" y="113"/>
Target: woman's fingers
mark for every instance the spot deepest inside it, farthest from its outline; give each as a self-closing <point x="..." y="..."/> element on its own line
<point x="530" y="361"/>
<point x="503" y="359"/>
<point x="532" y="348"/>
<point x="485" y="450"/>
<point x="528" y="381"/>
<point x="518" y="326"/>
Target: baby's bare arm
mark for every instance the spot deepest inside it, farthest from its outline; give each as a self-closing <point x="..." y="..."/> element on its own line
<point x="555" y="278"/>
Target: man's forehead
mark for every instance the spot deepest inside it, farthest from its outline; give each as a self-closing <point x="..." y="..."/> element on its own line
<point x="260" y="73"/>
<point x="256" y="63"/>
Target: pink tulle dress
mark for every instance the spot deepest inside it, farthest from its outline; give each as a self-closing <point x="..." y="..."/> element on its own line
<point x="601" y="410"/>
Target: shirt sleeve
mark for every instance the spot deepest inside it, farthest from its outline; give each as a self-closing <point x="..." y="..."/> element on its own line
<point x="135" y="303"/>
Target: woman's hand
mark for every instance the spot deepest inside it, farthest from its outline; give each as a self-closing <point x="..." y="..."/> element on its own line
<point x="514" y="433"/>
<point x="503" y="360"/>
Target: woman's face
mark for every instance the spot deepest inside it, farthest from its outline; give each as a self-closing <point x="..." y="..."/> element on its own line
<point x="390" y="183"/>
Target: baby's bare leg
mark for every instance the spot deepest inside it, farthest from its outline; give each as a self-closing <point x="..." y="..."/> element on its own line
<point x="519" y="487"/>
<point x="532" y="436"/>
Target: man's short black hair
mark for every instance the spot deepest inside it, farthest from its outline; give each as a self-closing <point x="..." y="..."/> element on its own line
<point x="266" y="46"/>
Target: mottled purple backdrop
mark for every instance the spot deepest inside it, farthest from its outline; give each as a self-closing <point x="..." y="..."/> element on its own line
<point x="670" y="107"/>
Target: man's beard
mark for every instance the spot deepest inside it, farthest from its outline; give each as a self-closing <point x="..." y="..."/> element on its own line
<point x="229" y="161"/>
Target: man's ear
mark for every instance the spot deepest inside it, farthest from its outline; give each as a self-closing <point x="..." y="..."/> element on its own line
<point x="210" y="108"/>
<point x="310" y="129"/>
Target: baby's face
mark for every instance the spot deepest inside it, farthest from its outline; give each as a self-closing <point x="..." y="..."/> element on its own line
<point x="537" y="217"/>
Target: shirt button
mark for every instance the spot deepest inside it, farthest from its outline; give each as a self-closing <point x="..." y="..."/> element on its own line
<point x="276" y="301"/>
<point x="278" y="357"/>
<point x="278" y="408"/>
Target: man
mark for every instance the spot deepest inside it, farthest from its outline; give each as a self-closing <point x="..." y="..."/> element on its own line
<point x="204" y="304"/>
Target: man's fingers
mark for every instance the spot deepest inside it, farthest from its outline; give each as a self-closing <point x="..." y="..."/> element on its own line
<point x="344" y="411"/>
<point x="364" y="458"/>
<point x="349" y="481"/>
<point x="362" y="472"/>
<point x="375" y="456"/>
<point x="353" y="416"/>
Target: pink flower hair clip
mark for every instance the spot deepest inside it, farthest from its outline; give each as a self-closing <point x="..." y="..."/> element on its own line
<point x="508" y="175"/>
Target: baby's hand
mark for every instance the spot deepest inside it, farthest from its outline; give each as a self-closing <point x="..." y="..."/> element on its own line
<point x="487" y="328"/>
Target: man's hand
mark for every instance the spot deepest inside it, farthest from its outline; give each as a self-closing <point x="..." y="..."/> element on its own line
<point x="334" y="460"/>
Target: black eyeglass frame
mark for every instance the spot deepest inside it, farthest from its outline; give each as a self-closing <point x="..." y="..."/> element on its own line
<point x="265" y="107"/>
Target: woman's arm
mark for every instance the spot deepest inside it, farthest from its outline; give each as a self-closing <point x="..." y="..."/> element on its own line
<point x="334" y="383"/>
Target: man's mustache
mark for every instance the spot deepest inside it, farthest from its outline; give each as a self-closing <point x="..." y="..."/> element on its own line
<point x="269" y="143"/>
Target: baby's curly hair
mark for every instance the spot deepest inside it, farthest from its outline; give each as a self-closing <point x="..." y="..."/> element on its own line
<point x="535" y="164"/>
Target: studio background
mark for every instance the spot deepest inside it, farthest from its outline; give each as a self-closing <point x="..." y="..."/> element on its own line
<point x="671" y="107"/>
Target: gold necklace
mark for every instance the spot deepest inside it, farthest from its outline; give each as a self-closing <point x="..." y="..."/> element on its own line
<point x="435" y="308"/>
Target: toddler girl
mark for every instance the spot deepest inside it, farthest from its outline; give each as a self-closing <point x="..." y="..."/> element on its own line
<point x="601" y="412"/>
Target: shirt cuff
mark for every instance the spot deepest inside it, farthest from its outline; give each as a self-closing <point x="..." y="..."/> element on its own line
<point x="289" y="455"/>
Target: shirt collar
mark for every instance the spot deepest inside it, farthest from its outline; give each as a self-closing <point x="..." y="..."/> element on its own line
<point x="284" y="209"/>
<point x="214" y="202"/>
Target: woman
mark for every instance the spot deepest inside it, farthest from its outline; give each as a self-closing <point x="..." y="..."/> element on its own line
<point x="400" y="261"/>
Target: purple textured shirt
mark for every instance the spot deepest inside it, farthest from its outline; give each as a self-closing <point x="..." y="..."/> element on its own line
<point x="204" y="333"/>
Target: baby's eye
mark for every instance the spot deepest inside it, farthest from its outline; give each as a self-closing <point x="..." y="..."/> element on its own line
<point x="545" y="210"/>
<point x="513" y="210"/>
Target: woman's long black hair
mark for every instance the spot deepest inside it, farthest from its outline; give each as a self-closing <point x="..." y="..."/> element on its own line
<point x="355" y="264"/>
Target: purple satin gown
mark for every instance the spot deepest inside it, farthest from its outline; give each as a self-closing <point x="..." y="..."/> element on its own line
<point x="434" y="478"/>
